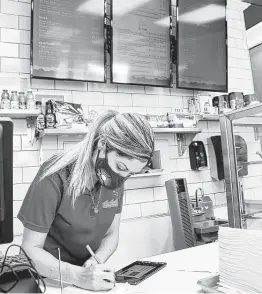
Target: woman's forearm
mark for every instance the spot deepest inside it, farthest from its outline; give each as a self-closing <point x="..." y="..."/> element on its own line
<point x="48" y="266"/>
<point x="107" y="247"/>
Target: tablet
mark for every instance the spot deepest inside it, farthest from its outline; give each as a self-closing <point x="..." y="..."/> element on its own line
<point x="138" y="271"/>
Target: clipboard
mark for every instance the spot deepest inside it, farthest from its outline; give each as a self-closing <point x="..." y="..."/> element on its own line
<point x="138" y="271"/>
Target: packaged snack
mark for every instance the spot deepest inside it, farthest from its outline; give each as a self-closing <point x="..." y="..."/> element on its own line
<point x="67" y="113"/>
<point x="157" y="121"/>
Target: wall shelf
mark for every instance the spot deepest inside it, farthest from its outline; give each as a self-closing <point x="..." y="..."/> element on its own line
<point x="73" y="131"/>
<point x="64" y="131"/>
<point x="142" y="181"/>
<point x="150" y="174"/>
<point x="177" y="130"/>
<point x="18" y="113"/>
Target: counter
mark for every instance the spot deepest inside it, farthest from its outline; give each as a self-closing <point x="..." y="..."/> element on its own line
<point x="184" y="268"/>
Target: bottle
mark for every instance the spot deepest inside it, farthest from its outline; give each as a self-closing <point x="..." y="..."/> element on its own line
<point x="206" y="107"/>
<point x="5" y="100"/>
<point x="21" y="100"/>
<point x="38" y="106"/>
<point x="40" y="120"/>
<point x="50" y="117"/>
<point x="30" y="100"/>
<point x="14" y="100"/>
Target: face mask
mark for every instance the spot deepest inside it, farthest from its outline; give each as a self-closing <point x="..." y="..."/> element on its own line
<point x="107" y="177"/>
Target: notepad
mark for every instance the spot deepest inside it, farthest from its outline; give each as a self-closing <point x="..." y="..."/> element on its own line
<point x="240" y="259"/>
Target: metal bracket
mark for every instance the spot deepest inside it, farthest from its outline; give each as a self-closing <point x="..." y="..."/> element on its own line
<point x="108" y="38"/>
<point x="173" y="49"/>
<point x="181" y="144"/>
<point x="256" y="133"/>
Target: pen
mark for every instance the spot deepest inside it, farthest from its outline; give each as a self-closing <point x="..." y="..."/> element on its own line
<point x="93" y="254"/>
<point x="60" y="272"/>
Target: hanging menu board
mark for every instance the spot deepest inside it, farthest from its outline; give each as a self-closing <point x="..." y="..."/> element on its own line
<point x="141" y="42"/>
<point x="202" y="50"/>
<point x="68" y="40"/>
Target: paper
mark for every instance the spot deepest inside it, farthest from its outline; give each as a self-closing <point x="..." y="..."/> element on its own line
<point x="53" y="287"/>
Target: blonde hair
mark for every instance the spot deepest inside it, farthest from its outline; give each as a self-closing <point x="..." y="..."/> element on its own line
<point x="129" y="134"/>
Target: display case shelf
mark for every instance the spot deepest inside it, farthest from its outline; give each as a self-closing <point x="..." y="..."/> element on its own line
<point x="245" y="121"/>
<point x="73" y="131"/>
<point x="210" y="117"/>
<point x="18" y="113"/>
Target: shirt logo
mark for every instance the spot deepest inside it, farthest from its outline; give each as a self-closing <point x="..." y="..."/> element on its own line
<point x="110" y="204"/>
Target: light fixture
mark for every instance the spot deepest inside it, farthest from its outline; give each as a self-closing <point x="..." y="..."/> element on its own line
<point x="254" y="36"/>
<point x="203" y="15"/>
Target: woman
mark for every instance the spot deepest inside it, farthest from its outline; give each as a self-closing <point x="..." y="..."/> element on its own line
<point x="76" y="200"/>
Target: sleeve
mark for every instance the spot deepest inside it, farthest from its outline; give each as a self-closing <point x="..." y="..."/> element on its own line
<point x="120" y="201"/>
<point x="39" y="207"/>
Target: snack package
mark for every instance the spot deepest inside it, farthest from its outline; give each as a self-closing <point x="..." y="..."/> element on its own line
<point x="157" y="121"/>
<point x="67" y="113"/>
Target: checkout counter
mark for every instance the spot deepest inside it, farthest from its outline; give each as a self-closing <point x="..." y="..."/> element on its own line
<point x="184" y="269"/>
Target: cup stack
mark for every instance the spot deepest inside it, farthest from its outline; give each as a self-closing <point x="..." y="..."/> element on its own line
<point x="240" y="259"/>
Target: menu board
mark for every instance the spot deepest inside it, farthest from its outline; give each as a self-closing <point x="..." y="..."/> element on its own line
<point x="68" y="40"/>
<point x="141" y="42"/>
<point x="202" y="49"/>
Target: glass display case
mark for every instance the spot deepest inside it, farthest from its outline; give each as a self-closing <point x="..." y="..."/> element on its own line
<point x="241" y="137"/>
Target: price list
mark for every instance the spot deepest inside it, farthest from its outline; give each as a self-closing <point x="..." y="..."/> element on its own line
<point x="141" y="43"/>
<point x="68" y="40"/>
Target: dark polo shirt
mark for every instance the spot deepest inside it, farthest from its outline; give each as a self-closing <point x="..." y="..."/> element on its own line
<point x="47" y="209"/>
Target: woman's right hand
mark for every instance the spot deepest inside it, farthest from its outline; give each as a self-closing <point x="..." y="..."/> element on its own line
<point x="97" y="277"/>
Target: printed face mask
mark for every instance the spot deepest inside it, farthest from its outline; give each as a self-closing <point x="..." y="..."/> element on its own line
<point x="107" y="177"/>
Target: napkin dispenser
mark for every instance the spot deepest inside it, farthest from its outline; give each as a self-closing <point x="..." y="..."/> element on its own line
<point x="216" y="157"/>
<point x="197" y="155"/>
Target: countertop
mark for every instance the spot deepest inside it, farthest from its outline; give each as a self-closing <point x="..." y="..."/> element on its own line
<point x="184" y="268"/>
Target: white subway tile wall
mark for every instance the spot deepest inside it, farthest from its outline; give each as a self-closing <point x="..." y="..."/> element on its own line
<point x="14" y="73"/>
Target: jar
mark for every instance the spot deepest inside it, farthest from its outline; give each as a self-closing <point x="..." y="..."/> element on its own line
<point x="223" y="103"/>
<point x="21" y="100"/>
<point x="30" y="100"/>
<point x="239" y="99"/>
<point x="193" y="106"/>
<point x="206" y="109"/>
<point x="250" y="99"/>
<point x="14" y="100"/>
<point x="5" y="100"/>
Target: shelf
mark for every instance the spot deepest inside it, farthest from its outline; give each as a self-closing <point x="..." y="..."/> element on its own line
<point x="177" y="130"/>
<point x="249" y="121"/>
<point x="73" y="131"/>
<point x="210" y="117"/>
<point x="148" y="180"/>
<point x="245" y="121"/>
<point x="62" y="131"/>
<point x="18" y="113"/>
<point x="150" y="174"/>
